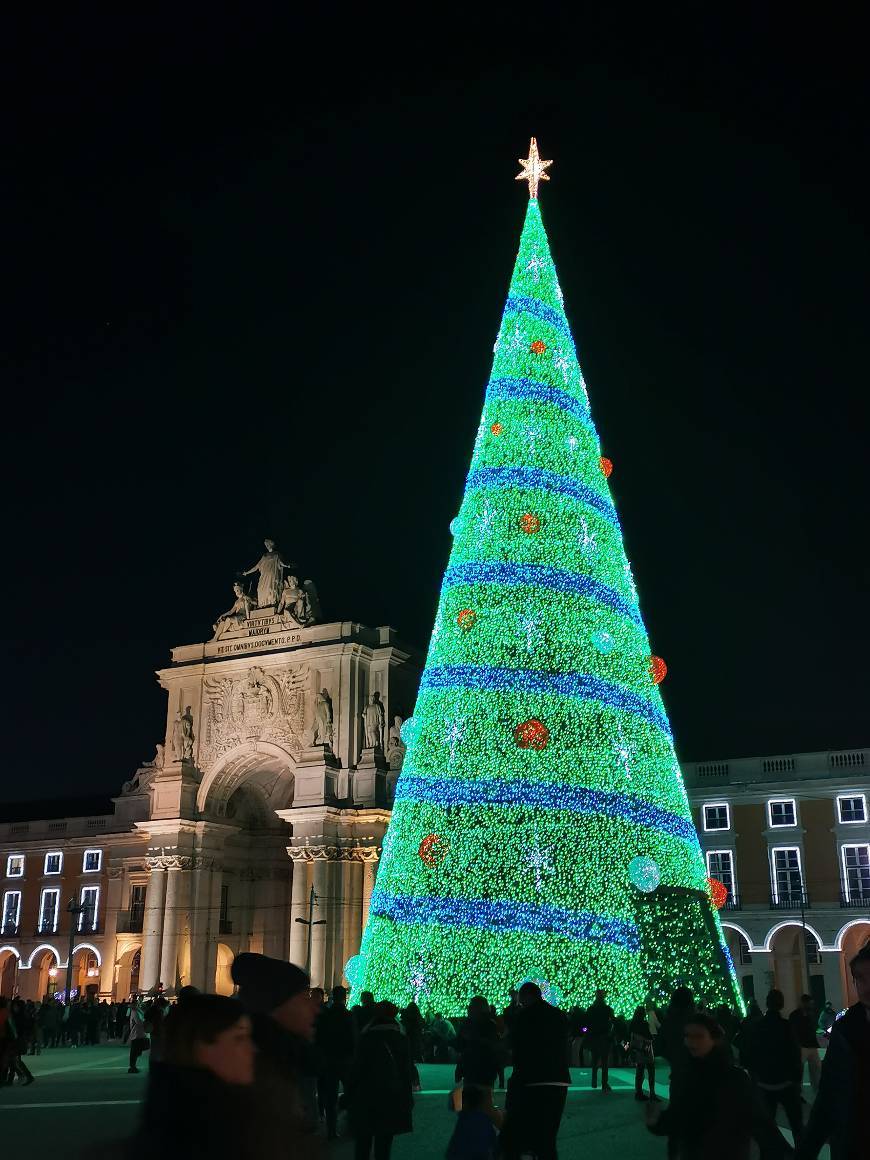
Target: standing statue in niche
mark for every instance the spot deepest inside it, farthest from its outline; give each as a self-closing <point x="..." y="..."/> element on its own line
<point x="237" y="614"/>
<point x="177" y="738"/>
<point x="374" y="718"/>
<point x="395" y="745"/>
<point x="187" y="737"/>
<point x="323" y="718"/>
<point x="271" y="569"/>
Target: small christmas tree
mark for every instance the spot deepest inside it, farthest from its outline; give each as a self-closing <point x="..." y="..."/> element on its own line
<point x="541" y="827"/>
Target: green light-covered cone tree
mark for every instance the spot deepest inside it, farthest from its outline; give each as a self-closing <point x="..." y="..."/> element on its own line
<point x="541" y="827"/>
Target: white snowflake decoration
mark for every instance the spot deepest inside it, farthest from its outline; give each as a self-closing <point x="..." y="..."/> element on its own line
<point x="530" y="629"/>
<point x="453" y="735"/>
<point x="536" y="265"/>
<point x="562" y="363"/>
<point x="629" y="579"/>
<point x="540" y="862"/>
<point x="585" y="538"/>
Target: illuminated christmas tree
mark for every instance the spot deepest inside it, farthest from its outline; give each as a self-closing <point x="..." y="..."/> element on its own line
<point x="541" y="827"/>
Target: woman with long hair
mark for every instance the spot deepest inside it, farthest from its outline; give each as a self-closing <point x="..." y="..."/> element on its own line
<point x="642" y="1054"/>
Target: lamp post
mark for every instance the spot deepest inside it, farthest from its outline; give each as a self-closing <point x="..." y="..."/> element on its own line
<point x="310" y="922"/>
<point x="74" y="911"/>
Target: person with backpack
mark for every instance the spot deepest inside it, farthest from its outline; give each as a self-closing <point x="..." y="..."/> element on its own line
<point x="380" y="1099"/>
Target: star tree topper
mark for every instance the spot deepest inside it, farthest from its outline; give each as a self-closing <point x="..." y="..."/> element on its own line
<point x="533" y="169"/>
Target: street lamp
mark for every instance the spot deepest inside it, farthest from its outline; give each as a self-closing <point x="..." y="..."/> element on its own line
<point x="310" y="922"/>
<point x="74" y="911"/>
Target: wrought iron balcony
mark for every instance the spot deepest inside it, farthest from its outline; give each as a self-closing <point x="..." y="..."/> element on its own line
<point x="130" y="923"/>
<point x="853" y="901"/>
<point x="790" y="900"/>
<point x="10" y="930"/>
<point x="225" y="926"/>
<point x="733" y="902"/>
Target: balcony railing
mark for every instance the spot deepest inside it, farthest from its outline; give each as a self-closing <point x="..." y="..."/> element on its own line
<point x="10" y="930"/>
<point x="792" y="900"/>
<point x="130" y="922"/>
<point x="733" y="902"/>
<point x="225" y="926"/>
<point x="854" y="901"/>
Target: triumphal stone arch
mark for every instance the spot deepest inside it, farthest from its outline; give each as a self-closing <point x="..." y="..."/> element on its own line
<point x="269" y="798"/>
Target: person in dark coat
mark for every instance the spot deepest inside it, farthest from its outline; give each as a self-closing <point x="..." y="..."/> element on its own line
<point x="599" y="1037"/>
<point x="478" y="1047"/>
<point x="671" y="1042"/>
<point x="277" y="996"/>
<point x="538" y="1087"/>
<point x="643" y="1056"/>
<point x="774" y="1059"/>
<point x="714" y="1113"/>
<point x="335" y="1039"/>
<point x="380" y="1099"/>
<point x="199" y="1102"/>
<point x="803" y="1024"/>
<point x="841" y="1112"/>
<point x="363" y="1011"/>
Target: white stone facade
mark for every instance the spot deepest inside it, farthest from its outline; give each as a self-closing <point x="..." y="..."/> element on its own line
<point x="216" y="846"/>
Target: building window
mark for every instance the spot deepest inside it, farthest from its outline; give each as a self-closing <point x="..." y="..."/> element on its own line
<point x="11" y="911"/>
<point x="717" y="816"/>
<point x="90" y="902"/>
<point x="53" y="863"/>
<point x="787" y="878"/>
<point x="852" y="808"/>
<point x="49" y="906"/>
<point x="814" y="956"/>
<point x="782" y="812"/>
<point x="15" y="866"/>
<point x="92" y="861"/>
<point x="720" y="865"/>
<point x="856" y="872"/>
<point x="137" y="905"/>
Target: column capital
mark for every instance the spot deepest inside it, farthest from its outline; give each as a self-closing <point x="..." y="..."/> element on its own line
<point x="169" y="862"/>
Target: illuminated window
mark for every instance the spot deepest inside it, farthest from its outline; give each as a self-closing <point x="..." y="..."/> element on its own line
<point x="15" y="866"/>
<point x="92" y="861"/>
<point x="852" y="808"/>
<point x="856" y="872"/>
<point x="787" y="877"/>
<point x="11" y="911"/>
<point x="90" y="902"/>
<point x="49" y="905"/>
<point x="782" y="812"/>
<point x="717" y="816"/>
<point x="720" y="865"/>
<point x="53" y="863"/>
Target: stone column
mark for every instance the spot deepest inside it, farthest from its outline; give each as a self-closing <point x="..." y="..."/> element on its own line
<point x="832" y="970"/>
<point x="199" y="919"/>
<point x="110" y="940"/>
<point x="175" y="911"/>
<point x="214" y="915"/>
<point x="370" y="867"/>
<point x="318" y="933"/>
<point x="762" y="974"/>
<point x="298" y="907"/>
<point x="353" y="910"/>
<point x="152" y="925"/>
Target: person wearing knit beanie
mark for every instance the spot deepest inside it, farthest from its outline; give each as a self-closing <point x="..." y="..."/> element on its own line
<point x="266" y="984"/>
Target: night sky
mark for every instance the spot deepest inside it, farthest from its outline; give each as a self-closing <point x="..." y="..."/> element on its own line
<point x="252" y="283"/>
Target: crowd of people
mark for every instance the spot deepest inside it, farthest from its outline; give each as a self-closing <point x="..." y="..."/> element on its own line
<point x="269" y="1071"/>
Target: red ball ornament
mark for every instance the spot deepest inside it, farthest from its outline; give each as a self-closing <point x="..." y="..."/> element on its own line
<point x="496" y="428"/>
<point x="538" y="347"/>
<point x="433" y="849"/>
<point x="530" y="523"/>
<point x="718" y="892"/>
<point x="466" y="619"/>
<point x="606" y="466"/>
<point x="658" y="670"/>
<point x="532" y="734"/>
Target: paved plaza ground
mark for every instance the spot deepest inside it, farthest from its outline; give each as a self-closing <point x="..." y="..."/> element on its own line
<point x="84" y="1096"/>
